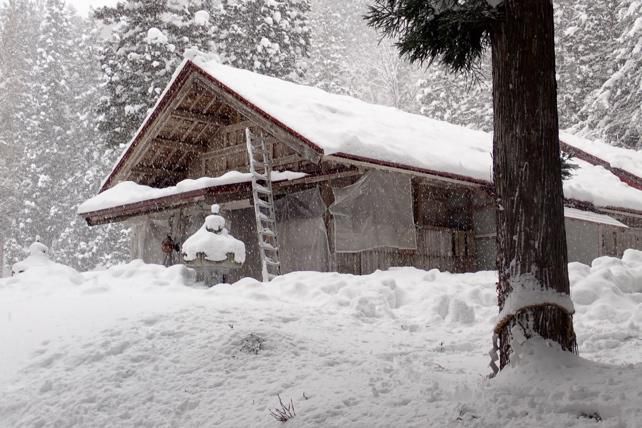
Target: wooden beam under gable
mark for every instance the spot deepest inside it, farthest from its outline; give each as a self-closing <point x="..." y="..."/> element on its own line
<point x="195" y="117"/>
<point x="157" y="125"/>
<point x="182" y="145"/>
<point x="240" y="126"/>
<point x="282" y="135"/>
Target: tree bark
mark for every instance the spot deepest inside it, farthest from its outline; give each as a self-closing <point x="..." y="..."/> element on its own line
<point x="531" y="236"/>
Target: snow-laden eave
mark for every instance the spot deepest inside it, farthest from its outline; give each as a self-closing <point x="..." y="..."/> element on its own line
<point x="569" y="144"/>
<point x="128" y="199"/>
<point x="626" y="163"/>
<point x="398" y="167"/>
<point x="125" y="211"/>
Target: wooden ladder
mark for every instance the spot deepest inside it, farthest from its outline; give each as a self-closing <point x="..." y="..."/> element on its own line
<point x="261" y="169"/>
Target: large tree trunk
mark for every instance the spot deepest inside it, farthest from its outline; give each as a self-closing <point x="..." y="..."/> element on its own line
<point x="531" y="242"/>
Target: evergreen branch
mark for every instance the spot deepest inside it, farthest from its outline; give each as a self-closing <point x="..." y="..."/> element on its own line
<point x="448" y="32"/>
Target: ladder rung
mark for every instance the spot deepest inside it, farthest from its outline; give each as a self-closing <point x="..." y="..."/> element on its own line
<point x="260" y="172"/>
<point x="263" y="217"/>
<point x="267" y="232"/>
<point x="262" y="189"/>
<point x="261" y="167"/>
<point x="268" y="247"/>
<point x="262" y="203"/>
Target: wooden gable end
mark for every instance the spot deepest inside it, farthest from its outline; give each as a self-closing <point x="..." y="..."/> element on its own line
<point x="197" y="130"/>
<point x="227" y="152"/>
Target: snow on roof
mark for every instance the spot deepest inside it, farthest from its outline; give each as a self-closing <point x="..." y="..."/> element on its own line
<point x="592" y="217"/>
<point x="343" y="125"/>
<point x="618" y="157"/>
<point x="599" y="186"/>
<point x="128" y="192"/>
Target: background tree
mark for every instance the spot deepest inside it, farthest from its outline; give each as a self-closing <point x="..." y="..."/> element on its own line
<point x="613" y="111"/>
<point x="149" y="38"/>
<point x="265" y="36"/>
<point x="347" y="58"/>
<point x="463" y="101"/>
<point x="584" y="38"/>
<point x="526" y="156"/>
<point x="53" y="144"/>
<point x="88" y="158"/>
<point x="137" y="60"/>
<point x="19" y="29"/>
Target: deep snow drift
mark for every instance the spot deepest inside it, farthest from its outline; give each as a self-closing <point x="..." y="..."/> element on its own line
<point x="132" y="346"/>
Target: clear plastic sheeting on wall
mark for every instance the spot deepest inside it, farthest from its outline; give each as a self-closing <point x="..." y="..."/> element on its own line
<point x="303" y="238"/>
<point x="374" y="212"/>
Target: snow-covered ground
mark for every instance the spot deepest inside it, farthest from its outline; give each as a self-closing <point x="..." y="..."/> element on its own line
<point x="133" y="346"/>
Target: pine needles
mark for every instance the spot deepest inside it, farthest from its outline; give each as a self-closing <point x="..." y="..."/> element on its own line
<point x="452" y="33"/>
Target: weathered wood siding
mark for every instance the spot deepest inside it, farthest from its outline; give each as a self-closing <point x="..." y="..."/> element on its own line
<point x="586" y="241"/>
<point x="614" y="241"/>
<point x="445" y="239"/>
<point x="437" y="248"/>
<point x="227" y="152"/>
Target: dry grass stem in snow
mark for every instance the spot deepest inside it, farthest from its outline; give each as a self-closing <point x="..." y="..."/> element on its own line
<point x="285" y="413"/>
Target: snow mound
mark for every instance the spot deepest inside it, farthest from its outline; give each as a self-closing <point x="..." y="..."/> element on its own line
<point x="551" y="388"/>
<point x="38" y="266"/>
<point x="136" y="345"/>
<point x="608" y="294"/>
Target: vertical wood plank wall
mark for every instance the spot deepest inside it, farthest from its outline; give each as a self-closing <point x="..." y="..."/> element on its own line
<point x="437" y="248"/>
<point x="613" y="241"/>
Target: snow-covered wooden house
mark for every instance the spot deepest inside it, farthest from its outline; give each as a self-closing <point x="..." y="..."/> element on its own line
<point x="355" y="187"/>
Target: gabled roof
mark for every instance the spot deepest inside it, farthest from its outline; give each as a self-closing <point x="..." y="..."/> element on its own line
<point x="345" y="129"/>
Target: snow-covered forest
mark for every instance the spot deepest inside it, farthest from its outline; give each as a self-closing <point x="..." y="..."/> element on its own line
<point x="74" y="89"/>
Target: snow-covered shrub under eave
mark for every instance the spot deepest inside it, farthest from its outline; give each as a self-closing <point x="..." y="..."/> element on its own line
<point x="213" y="243"/>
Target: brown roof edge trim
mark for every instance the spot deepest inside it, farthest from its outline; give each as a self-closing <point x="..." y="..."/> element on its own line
<point x="255" y="108"/>
<point x="624" y="176"/>
<point x="152" y="205"/>
<point x="627" y="177"/>
<point x="175" y="87"/>
<point x="395" y="165"/>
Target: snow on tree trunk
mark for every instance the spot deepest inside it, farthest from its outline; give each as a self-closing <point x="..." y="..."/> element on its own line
<point x="526" y="156"/>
